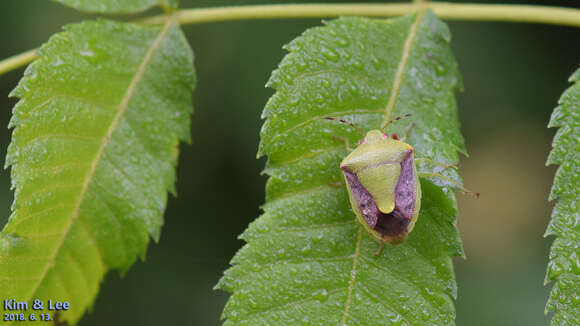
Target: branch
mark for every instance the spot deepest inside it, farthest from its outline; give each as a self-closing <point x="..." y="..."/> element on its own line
<point x="17" y="61"/>
<point x="451" y="11"/>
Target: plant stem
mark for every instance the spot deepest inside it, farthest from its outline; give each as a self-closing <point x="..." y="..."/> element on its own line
<point x="17" y="61"/>
<point x="452" y="11"/>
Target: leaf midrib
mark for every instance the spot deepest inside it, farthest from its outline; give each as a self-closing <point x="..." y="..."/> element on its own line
<point x="121" y="109"/>
<point x="398" y="81"/>
<point x="352" y="280"/>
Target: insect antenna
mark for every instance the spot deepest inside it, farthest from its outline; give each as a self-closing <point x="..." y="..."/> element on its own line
<point x="395" y="119"/>
<point x="348" y="123"/>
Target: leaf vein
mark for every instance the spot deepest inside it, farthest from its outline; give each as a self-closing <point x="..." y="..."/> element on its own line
<point x="305" y="75"/>
<point x="313" y="154"/>
<point x="29" y="216"/>
<point x="379" y="301"/>
<point x="313" y="227"/>
<point x="289" y="195"/>
<point x="47" y="189"/>
<point x="319" y="117"/>
<point x="70" y="97"/>
<point x="146" y="149"/>
<point x="401" y="68"/>
<point x="403" y="279"/>
<point x="37" y="139"/>
<point x="131" y="180"/>
<point x="291" y="303"/>
<point x="58" y="168"/>
<point x="115" y="220"/>
<point x="80" y="270"/>
<point x="92" y="236"/>
<point x="352" y="277"/>
<point x="301" y="261"/>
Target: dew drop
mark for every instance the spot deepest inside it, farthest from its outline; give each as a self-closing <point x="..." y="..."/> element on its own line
<point x="376" y="63"/>
<point x="301" y="65"/>
<point x="321" y="295"/>
<point x="565" y="284"/>
<point x="356" y="64"/>
<point x="555" y="269"/>
<point x="87" y="53"/>
<point x="58" y="62"/>
<point x="342" y="42"/>
<point x="575" y="299"/>
<point x="427" y="99"/>
<point x="397" y="321"/>
<point x="330" y="54"/>
<point x="294" y="47"/>
<point x="293" y="100"/>
<point x="575" y="260"/>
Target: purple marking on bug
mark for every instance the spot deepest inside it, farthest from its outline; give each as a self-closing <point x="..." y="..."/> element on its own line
<point x="366" y="204"/>
<point x="405" y="190"/>
<point x="394" y="223"/>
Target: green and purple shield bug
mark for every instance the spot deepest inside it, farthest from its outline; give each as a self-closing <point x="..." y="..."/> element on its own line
<point x="383" y="184"/>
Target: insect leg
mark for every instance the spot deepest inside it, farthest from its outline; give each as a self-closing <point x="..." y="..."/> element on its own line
<point x="378" y="252"/>
<point x="346" y="142"/>
<point x="406" y="132"/>
<point x="445" y="167"/>
<point x="451" y="181"/>
<point x="339" y="184"/>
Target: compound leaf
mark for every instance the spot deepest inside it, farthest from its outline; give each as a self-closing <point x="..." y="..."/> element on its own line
<point x="307" y="261"/>
<point x="116" y="6"/>
<point x="93" y="154"/>
<point x="564" y="265"/>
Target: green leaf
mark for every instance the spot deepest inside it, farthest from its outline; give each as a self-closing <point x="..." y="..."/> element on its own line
<point x="306" y="260"/>
<point x="116" y="6"/>
<point x="564" y="266"/>
<point x="93" y="155"/>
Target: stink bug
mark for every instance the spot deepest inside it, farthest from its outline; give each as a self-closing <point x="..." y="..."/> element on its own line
<point x="383" y="184"/>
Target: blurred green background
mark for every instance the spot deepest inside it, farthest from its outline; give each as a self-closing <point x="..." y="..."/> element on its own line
<point x="513" y="76"/>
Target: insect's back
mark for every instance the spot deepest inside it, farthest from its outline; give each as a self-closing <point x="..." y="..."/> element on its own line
<point x="383" y="186"/>
<point x="377" y="165"/>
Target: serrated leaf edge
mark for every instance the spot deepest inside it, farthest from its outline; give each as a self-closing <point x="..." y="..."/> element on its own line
<point x="122" y="107"/>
